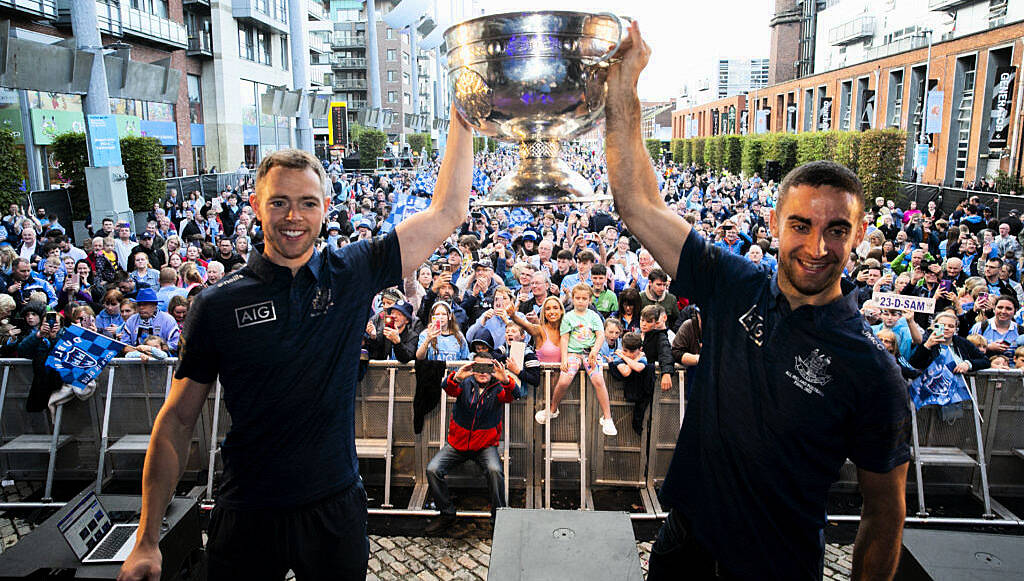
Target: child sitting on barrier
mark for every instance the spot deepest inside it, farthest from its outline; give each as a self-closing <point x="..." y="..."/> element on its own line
<point x="474" y="431"/>
<point x="153" y="347"/>
<point x="612" y="339"/>
<point x="629" y="365"/>
<point x="582" y="336"/>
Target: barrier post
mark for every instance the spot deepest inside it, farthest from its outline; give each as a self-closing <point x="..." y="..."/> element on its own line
<point x="52" y="462"/>
<point x="105" y="434"/>
<point x="391" y="426"/>
<point x="982" y="465"/>
<point x="213" y="442"/>
<point x="583" y="438"/>
<point x="547" y="440"/>
<point x="3" y="398"/>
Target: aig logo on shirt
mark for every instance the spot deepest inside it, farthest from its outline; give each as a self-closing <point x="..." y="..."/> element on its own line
<point x="255" y="314"/>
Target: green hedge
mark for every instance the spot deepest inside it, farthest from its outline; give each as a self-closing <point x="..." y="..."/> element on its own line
<point x="698" y="152"/>
<point x="732" y="157"/>
<point x="12" y="160"/>
<point x="371" y="145"/>
<point x="848" y="149"/>
<point x="143" y="162"/>
<point x="653" y="148"/>
<point x="752" y="156"/>
<point x="677" y="151"/>
<point x="419" y="142"/>
<point x="780" y="147"/>
<point x="880" y="162"/>
<point x="814" y="146"/>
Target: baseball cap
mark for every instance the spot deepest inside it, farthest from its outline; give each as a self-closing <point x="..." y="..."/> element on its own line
<point x="364" y="224"/>
<point x="334" y="226"/>
<point x="483" y="263"/>
<point x="503" y="234"/>
<point x="403" y="307"/>
<point x="145" y="236"/>
<point x="530" y="235"/>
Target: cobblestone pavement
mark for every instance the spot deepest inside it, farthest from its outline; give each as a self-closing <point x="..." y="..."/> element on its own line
<point x="465" y="557"/>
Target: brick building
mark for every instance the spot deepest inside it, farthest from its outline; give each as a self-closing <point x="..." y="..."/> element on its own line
<point x="965" y="77"/>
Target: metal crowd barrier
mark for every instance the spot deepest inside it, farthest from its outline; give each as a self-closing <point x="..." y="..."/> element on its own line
<point x="106" y="436"/>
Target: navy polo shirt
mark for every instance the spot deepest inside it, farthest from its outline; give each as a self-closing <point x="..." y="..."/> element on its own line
<point x="286" y="351"/>
<point x="779" y="400"/>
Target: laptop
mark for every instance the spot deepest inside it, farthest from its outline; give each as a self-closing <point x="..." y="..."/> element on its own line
<point x="91" y="534"/>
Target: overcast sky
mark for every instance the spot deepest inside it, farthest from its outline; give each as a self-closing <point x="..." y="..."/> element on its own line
<point x="686" y="38"/>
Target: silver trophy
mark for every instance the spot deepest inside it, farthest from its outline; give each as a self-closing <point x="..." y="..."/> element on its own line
<point x="536" y="79"/>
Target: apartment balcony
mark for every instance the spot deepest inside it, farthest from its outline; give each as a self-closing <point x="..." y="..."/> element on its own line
<point x="320" y="122"/>
<point x="153" y="28"/>
<point x="205" y="3"/>
<point x="349" y="84"/>
<point x="857" y="29"/>
<point x="317" y="59"/>
<point x="897" y="46"/>
<point x="318" y="43"/>
<point x="44" y="8"/>
<point x="108" y="17"/>
<point x="200" y="45"/>
<point x="943" y="5"/>
<point x="342" y="41"/>
<point x="350" y="63"/>
<point x="354" y="104"/>
<point x="260" y="13"/>
<point x="317" y="11"/>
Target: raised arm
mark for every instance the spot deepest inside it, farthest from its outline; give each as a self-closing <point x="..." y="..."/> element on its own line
<point x="630" y="173"/>
<point x="421" y="234"/>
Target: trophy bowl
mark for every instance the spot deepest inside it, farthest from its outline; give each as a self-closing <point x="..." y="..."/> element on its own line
<point x="536" y="79"/>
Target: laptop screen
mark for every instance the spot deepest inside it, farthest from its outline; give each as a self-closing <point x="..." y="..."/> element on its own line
<point x="86" y="524"/>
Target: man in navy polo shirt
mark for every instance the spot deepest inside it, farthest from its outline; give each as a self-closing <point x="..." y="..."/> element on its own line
<point x="283" y="337"/>
<point x="790" y="381"/>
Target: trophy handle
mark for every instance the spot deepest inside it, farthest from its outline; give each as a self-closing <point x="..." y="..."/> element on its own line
<point x="607" y="57"/>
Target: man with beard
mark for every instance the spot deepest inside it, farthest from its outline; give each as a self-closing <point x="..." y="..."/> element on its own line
<point x="789" y="385"/>
<point x="283" y="337"/>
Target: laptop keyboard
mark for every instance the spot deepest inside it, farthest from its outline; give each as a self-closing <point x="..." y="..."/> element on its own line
<point x="112" y="543"/>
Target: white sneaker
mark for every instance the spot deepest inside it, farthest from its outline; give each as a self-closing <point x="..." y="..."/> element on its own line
<point x="608" y="427"/>
<point x="544" y="415"/>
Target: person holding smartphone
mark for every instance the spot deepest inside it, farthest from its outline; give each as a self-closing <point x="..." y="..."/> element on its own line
<point x="943" y="335"/>
<point x="480" y="389"/>
<point x="442" y="340"/>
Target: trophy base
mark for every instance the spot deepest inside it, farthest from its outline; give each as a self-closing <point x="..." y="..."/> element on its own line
<point x="541" y="181"/>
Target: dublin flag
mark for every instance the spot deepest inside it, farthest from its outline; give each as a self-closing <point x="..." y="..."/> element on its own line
<point x="80" y="355"/>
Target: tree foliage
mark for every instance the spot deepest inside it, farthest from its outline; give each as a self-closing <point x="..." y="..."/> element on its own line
<point x="371" y="145"/>
<point x="71" y="158"/>
<point x="653" y="148"/>
<point x="880" y="162"/>
<point x="699" y="144"/>
<point x="12" y="160"/>
<point x="144" y="164"/>
<point x="419" y="142"/>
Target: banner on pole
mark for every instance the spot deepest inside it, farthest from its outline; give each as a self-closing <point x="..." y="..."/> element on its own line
<point x="1002" y="100"/>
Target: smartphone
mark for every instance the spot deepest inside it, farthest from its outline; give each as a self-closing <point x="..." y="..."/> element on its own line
<point x="938" y="328"/>
<point x="438" y="322"/>
<point x="445" y="267"/>
<point x="389" y="321"/>
<point x="945" y="285"/>
<point x="887" y="268"/>
<point x="141" y="334"/>
<point x="483" y="367"/>
<point x="981" y="297"/>
<point x="50" y="318"/>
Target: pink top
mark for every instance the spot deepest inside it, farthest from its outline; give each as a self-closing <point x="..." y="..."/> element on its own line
<point x="548" y="352"/>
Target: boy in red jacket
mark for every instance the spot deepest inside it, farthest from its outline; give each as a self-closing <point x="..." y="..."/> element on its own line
<point x="480" y="389"/>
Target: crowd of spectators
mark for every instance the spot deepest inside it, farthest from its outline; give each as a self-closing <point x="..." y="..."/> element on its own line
<point x="512" y="276"/>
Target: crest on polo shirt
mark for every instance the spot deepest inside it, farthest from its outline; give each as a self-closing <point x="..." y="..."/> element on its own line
<point x="811" y="371"/>
<point x="322" y="301"/>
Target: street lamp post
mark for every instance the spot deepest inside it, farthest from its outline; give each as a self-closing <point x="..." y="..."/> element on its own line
<point x="927" y="79"/>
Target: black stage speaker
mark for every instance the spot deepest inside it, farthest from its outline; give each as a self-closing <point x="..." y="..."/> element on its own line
<point x="954" y="556"/>
<point x="773" y="170"/>
<point x="563" y="544"/>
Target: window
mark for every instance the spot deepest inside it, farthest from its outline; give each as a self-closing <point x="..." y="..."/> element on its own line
<point x="405" y="57"/>
<point x="284" y="52"/>
<point x="246" y="42"/>
<point x="392" y="54"/>
<point x="195" y="99"/>
<point x="263" y="47"/>
<point x="408" y="99"/>
<point x="154" y="7"/>
<point x="392" y="76"/>
<point x="392" y="97"/>
<point x="405" y="78"/>
<point x="390" y="33"/>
